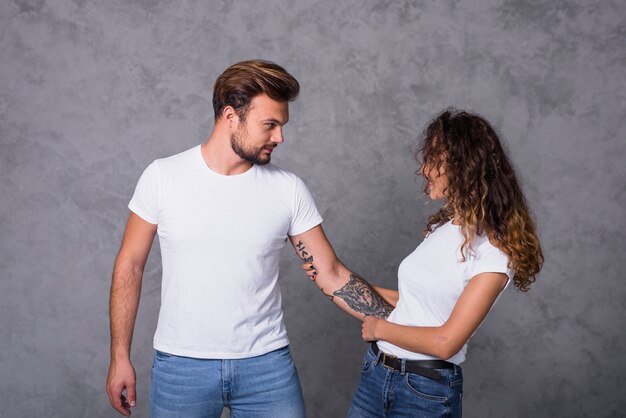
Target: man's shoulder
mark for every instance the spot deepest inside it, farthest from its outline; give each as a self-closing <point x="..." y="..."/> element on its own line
<point x="276" y="172"/>
<point x="180" y="158"/>
<point x="174" y="163"/>
<point x="272" y="169"/>
<point x="166" y="167"/>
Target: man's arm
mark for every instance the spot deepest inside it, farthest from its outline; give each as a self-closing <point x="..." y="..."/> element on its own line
<point x="389" y="295"/>
<point x="343" y="287"/>
<point x="124" y="301"/>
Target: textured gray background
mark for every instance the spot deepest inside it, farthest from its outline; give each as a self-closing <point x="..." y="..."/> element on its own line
<point x="92" y="91"/>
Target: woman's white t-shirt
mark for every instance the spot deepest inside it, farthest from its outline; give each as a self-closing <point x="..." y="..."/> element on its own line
<point x="431" y="279"/>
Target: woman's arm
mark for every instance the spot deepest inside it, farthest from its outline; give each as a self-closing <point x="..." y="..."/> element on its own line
<point x="446" y="340"/>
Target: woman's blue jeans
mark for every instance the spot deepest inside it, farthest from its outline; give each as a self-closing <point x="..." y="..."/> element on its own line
<point x="263" y="386"/>
<point x="384" y="392"/>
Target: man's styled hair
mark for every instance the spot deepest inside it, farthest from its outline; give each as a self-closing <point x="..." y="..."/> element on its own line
<point x="241" y="82"/>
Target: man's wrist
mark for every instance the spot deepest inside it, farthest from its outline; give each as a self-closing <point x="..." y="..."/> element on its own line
<point x="120" y="355"/>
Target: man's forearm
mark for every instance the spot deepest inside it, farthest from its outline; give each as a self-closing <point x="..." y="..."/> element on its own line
<point x="346" y="289"/>
<point x="390" y="295"/>
<point x="361" y="297"/>
<point x="123" y="305"/>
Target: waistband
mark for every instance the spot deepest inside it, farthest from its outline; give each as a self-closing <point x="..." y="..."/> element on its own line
<point x="426" y="368"/>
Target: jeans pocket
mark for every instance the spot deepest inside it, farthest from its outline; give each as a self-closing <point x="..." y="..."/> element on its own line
<point x="367" y="365"/>
<point x="161" y="356"/>
<point x="159" y="361"/>
<point x="426" y="388"/>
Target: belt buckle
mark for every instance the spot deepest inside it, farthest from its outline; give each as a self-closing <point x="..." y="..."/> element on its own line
<point x="390" y="357"/>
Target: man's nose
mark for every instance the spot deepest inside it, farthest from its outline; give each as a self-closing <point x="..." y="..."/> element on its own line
<point x="277" y="135"/>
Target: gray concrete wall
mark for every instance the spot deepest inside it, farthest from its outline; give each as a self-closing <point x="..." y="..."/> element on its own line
<point x="92" y="91"/>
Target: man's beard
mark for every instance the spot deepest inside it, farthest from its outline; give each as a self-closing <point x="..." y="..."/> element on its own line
<point x="252" y="156"/>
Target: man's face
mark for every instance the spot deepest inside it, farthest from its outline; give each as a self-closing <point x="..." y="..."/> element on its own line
<point x="262" y="130"/>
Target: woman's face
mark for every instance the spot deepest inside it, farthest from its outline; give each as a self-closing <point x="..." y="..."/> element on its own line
<point x="437" y="180"/>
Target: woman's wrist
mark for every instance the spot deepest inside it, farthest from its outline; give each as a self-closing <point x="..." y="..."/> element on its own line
<point x="379" y="331"/>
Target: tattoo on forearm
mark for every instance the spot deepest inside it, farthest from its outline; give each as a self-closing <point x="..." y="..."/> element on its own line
<point x="361" y="297"/>
<point x="308" y="258"/>
<point x="357" y="293"/>
<point x="331" y="297"/>
<point x="303" y="253"/>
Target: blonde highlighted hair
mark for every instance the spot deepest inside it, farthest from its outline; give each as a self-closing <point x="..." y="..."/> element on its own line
<point x="482" y="191"/>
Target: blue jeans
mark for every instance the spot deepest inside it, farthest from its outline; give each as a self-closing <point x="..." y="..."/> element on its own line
<point x="263" y="386"/>
<point x="384" y="392"/>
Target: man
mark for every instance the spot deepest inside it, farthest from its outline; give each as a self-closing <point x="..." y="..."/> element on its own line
<point x="223" y="214"/>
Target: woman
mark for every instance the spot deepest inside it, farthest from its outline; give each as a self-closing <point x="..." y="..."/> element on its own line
<point x="481" y="238"/>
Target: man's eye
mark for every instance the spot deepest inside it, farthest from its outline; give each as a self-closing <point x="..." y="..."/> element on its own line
<point x="270" y="125"/>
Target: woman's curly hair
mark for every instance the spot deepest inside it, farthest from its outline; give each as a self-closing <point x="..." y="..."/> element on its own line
<point x="482" y="190"/>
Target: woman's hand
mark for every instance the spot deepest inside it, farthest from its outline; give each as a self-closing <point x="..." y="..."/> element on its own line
<point x="370" y="329"/>
<point x="309" y="270"/>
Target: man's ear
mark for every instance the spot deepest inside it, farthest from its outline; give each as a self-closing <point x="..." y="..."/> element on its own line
<point x="230" y="117"/>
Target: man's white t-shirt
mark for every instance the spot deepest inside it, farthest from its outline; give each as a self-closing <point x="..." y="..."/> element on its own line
<point x="431" y="279"/>
<point x="221" y="238"/>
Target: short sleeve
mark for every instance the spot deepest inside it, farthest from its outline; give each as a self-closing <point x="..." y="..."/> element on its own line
<point x="145" y="200"/>
<point x="489" y="259"/>
<point x="305" y="214"/>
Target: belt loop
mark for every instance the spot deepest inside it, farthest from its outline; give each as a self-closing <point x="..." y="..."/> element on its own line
<point x="378" y="356"/>
<point x="402" y="366"/>
<point x="456" y="369"/>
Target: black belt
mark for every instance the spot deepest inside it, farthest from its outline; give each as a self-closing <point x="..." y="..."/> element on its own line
<point x="424" y="368"/>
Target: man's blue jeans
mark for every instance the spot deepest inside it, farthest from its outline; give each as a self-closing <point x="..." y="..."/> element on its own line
<point x="384" y="392"/>
<point x="263" y="386"/>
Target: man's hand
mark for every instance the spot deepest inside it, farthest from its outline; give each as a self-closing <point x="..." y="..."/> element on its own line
<point x="121" y="377"/>
<point x="369" y="328"/>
